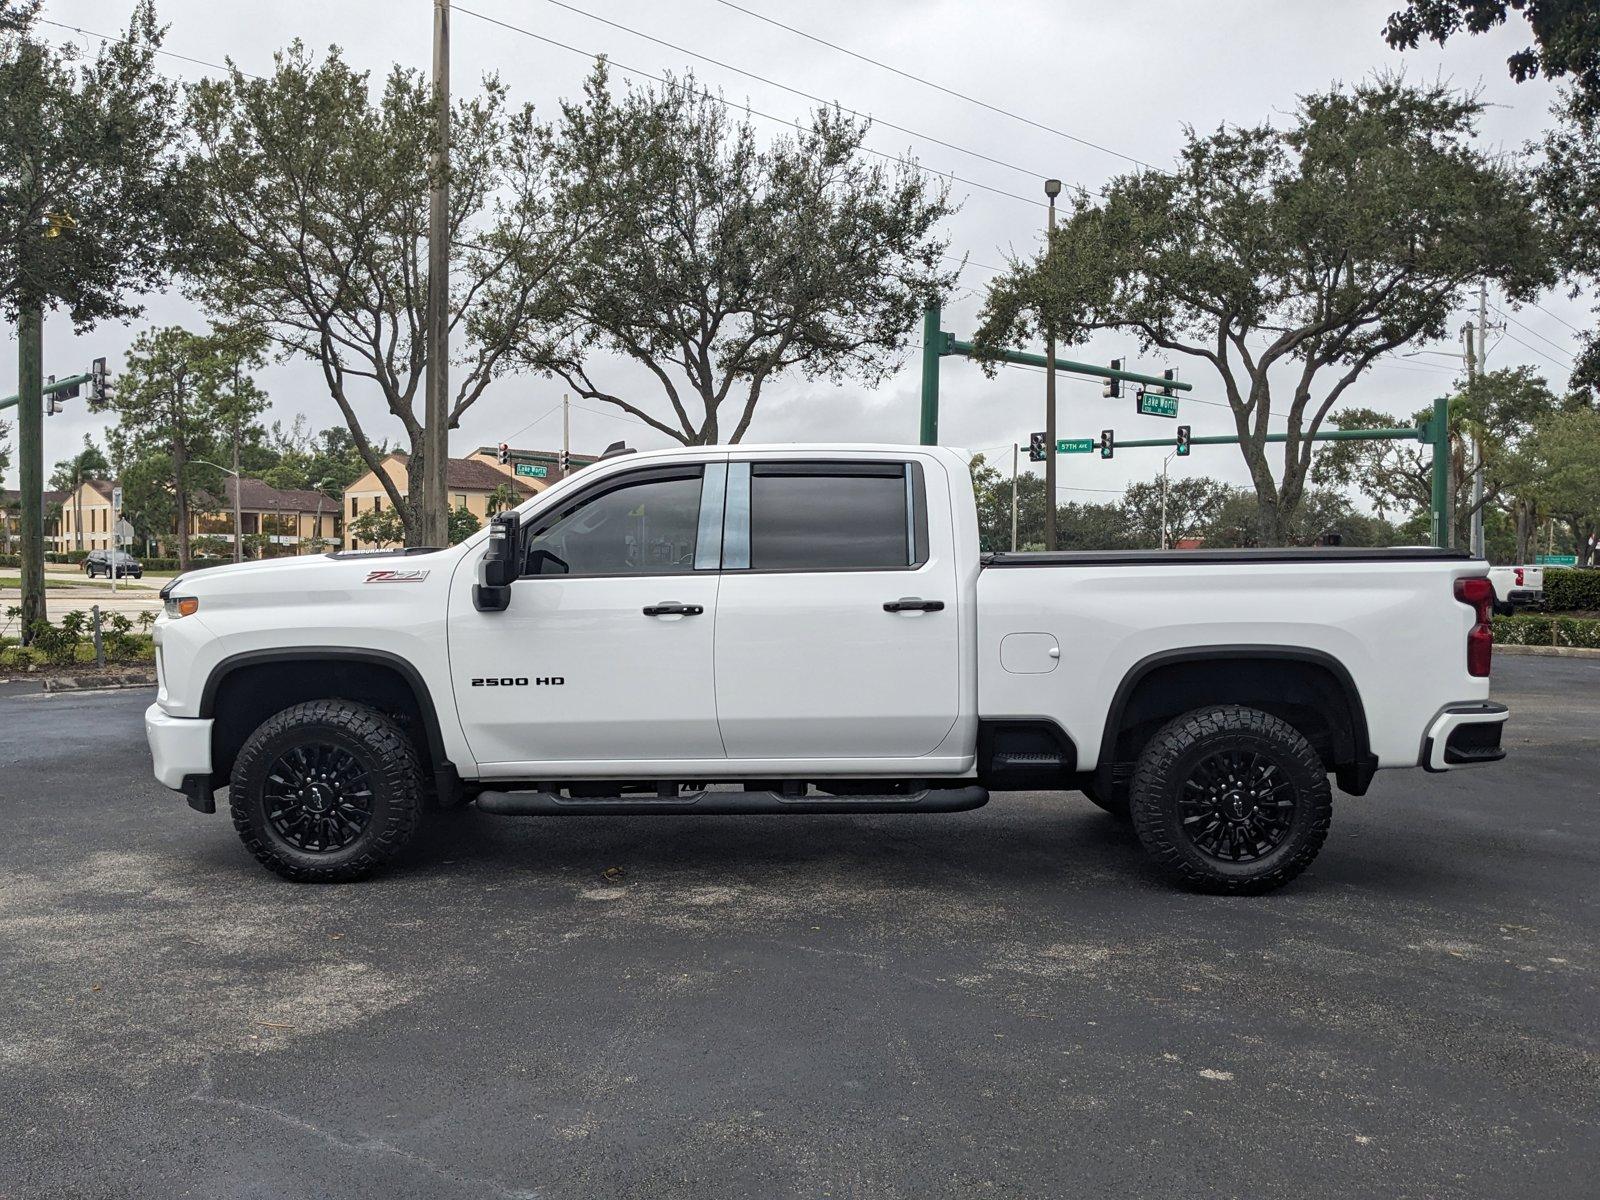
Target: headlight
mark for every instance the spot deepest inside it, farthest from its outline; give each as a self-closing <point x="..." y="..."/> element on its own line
<point x="181" y="606"/>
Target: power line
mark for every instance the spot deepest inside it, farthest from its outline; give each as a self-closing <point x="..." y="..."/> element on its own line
<point x="939" y="87"/>
<point x="949" y="176"/>
<point x="1563" y="320"/>
<point x="1504" y="316"/>
<point x="1543" y="355"/>
<point x="109" y="37"/>
<point x="548" y="413"/>
<point x="726" y="66"/>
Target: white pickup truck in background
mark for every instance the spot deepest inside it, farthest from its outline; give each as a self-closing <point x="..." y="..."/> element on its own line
<point x="1516" y="587"/>
<point x="811" y="628"/>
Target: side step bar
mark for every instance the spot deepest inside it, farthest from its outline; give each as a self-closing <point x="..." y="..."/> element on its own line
<point x="542" y="804"/>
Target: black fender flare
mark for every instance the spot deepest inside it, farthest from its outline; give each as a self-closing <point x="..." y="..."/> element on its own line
<point x="341" y="654"/>
<point x="1353" y="776"/>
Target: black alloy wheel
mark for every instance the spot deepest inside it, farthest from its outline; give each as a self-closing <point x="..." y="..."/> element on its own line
<point x="318" y="797"/>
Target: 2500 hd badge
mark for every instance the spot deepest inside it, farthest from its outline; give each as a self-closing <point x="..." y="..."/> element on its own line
<point x="519" y="681"/>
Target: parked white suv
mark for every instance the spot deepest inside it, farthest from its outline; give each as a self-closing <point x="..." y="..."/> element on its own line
<point x="801" y="629"/>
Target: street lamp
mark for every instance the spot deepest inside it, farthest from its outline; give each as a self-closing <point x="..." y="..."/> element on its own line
<point x="1164" y="463"/>
<point x="1052" y="189"/>
<point x="238" y="519"/>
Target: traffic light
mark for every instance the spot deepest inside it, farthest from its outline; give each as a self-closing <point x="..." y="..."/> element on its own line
<point x="502" y="454"/>
<point x="51" y="405"/>
<point x="1169" y="375"/>
<point x="1036" y="447"/>
<point x="1113" y="387"/>
<point x="99" y="392"/>
<point x="1108" y="443"/>
<point x="564" y="461"/>
<point x="1183" y="441"/>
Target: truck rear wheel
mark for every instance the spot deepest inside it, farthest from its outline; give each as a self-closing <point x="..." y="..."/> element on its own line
<point x="327" y="791"/>
<point x="1231" y="799"/>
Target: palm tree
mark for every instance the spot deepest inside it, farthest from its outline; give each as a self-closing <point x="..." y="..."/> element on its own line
<point x="503" y="497"/>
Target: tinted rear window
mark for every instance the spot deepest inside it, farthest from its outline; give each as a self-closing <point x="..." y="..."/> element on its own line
<point x="835" y="517"/>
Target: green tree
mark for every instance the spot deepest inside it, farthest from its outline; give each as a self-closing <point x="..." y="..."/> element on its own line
<point x="1289" y="259"/>
<point x="1499" y="408"/>
<point x="1191" y="504"/>
<point x="717" y="264"/>
<point x="161" y="410"/>
<point x="1569" y="190"/>
<point x="463" y="524"/>
<point x="314" y="230"/>
<point x="1566" y="34"/>
<point x="1563" y="472"/>
<point x="228" y="394"/>
<point x="69" y="476"/>
<point x="503" y="498"/>
<point x="91" y="203"/>
<point x="378" y="527"/>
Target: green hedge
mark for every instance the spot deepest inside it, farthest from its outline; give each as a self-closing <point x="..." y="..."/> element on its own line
<point x="1566" y="589"/>
<point x="1547" y="631"/>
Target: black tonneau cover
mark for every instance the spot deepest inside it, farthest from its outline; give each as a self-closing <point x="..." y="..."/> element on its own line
<point x="1179" y="558"/>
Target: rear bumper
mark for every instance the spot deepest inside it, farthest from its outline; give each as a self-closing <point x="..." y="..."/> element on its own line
<point x="179" y="746"/>
<point x="1465" y="735"/>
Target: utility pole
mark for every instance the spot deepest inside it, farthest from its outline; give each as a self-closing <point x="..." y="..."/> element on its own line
<point x="1015" y="450"/>
<point x="1052" y="189"/>
<point x="30" y="431"/>
<point x="1477" y="442"/>
<point x="436" y="436"/>
<point x="1164" y="462"/>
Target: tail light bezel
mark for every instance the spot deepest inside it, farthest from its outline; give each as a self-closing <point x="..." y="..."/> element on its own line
<point x="1478" y="594"/>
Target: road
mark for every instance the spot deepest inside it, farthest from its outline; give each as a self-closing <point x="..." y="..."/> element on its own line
<point x="1003" y="1002"/>
<point x="73" y="591"/>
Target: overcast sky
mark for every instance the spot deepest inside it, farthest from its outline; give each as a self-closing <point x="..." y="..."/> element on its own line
<point x="1125" y="76"/>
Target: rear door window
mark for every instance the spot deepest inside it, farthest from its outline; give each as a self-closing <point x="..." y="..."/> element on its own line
<point x="835" y="517"/>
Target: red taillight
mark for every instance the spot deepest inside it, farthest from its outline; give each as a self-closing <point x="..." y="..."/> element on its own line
<point x="1520" y="580"/>
<point x="1479" y="593"/>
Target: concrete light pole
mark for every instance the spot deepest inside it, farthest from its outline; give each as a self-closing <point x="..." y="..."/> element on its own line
<point x="1052" y="189"/>
<point x="432" y="521"/>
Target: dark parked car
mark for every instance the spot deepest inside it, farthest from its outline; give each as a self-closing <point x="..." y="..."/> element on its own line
<point x="98" y="562"/>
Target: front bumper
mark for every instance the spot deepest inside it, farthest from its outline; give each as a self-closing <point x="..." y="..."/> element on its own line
<point x="180" y="747"/>
<point x="1465" y="735"/>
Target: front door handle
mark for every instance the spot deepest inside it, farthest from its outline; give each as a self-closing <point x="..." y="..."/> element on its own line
<point x="669" y="608"/>
<point x="913" y="604"/>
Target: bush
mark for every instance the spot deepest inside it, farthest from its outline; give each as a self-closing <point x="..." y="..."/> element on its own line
<point x="1547" y="631"/>
<point x="1566" y="589"/>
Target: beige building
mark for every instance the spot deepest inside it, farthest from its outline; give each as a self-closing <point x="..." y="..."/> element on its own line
<point x="88" y="509"/>
<point x="289" y="519"/>
<point x="11" y="521"/>
<point x="470" y="483"/>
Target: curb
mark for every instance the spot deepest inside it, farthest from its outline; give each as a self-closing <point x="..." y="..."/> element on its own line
<point x="80" y="683"/>
<point x="1548" y="651"/>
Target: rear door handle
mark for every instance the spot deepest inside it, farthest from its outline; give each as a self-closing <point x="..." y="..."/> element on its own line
<point x="913" y="604"/>
<point x="668" y="608"/>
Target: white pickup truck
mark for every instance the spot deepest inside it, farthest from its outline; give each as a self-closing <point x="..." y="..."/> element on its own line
<point x="803" y="629"/>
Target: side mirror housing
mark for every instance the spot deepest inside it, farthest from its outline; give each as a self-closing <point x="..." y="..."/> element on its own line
<point x="498" y="567"/>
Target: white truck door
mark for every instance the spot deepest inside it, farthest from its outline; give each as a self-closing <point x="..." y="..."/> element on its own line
<point x="604" y="653"/>
<point x="838" y="632"/>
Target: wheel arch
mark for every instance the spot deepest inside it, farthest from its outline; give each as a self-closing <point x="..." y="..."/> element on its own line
<point x="1309" y="688"/>
<point x="246" y="688"/>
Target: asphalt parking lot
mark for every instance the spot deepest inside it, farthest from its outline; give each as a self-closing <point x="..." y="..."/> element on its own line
<point x="1003" y="1002"/>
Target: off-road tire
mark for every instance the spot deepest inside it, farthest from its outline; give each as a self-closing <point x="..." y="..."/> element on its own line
<point x="394" y="775"/>
<point x="1177" y="753"/>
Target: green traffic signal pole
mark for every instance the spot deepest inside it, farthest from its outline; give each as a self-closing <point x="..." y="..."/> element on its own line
<point x="1434" y="432"/>
<point x="50" y="389"/>
<point x="937" y="343"/>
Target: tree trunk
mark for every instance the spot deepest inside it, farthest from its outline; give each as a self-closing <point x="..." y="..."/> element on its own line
<point x="238" y="502"/>
<point x="416" y="493"/>
<point x="181" y="500"/>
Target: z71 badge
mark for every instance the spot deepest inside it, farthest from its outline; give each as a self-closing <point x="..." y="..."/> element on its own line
<point x="396" y="576"/>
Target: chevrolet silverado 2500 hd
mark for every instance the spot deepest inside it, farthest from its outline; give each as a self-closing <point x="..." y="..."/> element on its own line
<point x="804" y="629"/>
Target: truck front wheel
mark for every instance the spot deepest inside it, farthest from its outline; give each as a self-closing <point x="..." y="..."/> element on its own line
<point x="327" y="791"/>
<point x="1231" y="799"/>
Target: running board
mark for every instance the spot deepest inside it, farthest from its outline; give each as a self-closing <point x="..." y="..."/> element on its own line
<point x="543" y="804"/>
